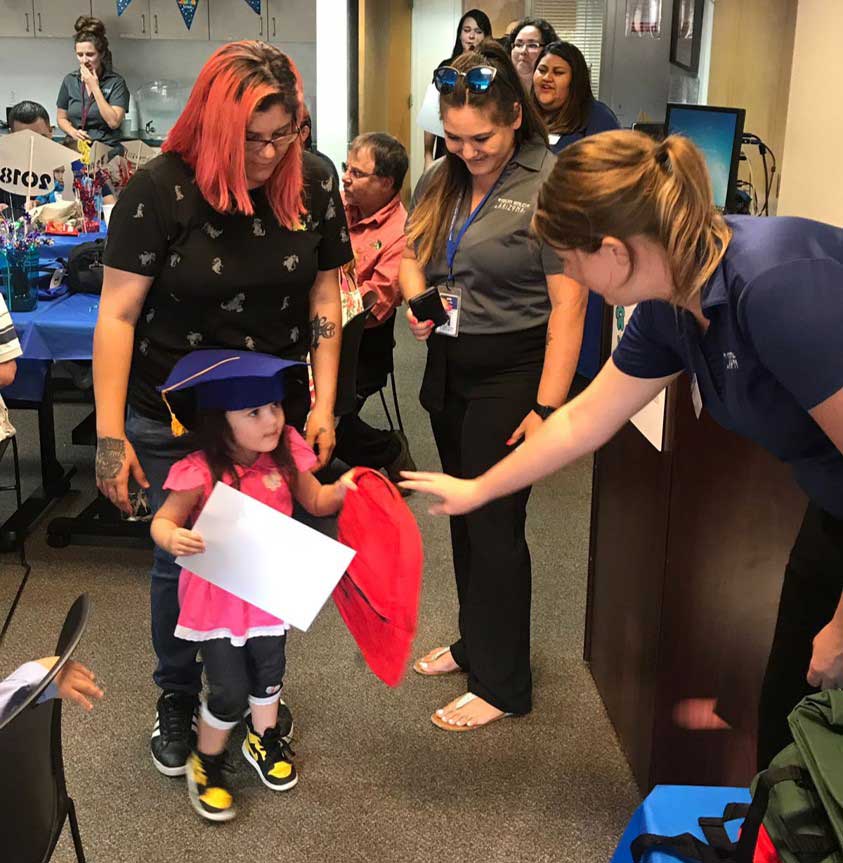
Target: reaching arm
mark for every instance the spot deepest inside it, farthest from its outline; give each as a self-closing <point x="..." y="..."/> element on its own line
<point x="123" y="296"/>
<point x="321" y="500"/>
<point x="581" y="426"/>
<point x="326" y="329"/>
<point x="63" y="122"/>
<point x="412" y="283"/>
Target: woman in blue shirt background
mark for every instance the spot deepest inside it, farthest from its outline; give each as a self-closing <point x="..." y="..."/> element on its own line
<point x="562" y="94"/>
<point x="753" y="310"/>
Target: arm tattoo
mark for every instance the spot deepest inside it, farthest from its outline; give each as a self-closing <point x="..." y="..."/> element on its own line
<point x="110" y="454"/>
<point x="321" y="328"/>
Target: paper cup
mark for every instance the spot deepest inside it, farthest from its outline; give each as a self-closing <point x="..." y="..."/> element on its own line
<point x="106" y="212"/>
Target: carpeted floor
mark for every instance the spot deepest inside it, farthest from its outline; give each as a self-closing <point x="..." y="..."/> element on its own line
<point x="378" y="781"/>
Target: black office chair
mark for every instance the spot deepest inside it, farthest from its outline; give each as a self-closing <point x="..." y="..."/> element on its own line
<point x="377" y="366"/>
<point x="352" y="336"/>
<point x="20" y="538"/>
<point x="33" y="794"/>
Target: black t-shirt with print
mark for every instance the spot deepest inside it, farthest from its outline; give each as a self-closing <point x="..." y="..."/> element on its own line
<point x="220" y="280"/>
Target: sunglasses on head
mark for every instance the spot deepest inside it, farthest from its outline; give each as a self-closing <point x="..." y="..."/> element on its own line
<point x="477" y="80"/>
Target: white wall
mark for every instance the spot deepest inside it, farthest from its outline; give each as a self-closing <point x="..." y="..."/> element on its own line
<point x="27" y="75"/>
<point x="434" y="26"/>
<point x="332" y="78"/>
<point x="812" y="184"/>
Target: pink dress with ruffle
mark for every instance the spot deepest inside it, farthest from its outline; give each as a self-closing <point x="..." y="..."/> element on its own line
<point x="207" y="611"/>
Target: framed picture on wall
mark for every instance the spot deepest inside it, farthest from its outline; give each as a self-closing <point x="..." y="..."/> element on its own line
<point x="686" y="35"/>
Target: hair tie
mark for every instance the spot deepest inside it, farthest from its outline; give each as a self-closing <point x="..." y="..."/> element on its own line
<point x="663" y="159"/>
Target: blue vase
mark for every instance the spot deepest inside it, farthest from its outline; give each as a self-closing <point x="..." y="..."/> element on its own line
<point x="19" y="278"/>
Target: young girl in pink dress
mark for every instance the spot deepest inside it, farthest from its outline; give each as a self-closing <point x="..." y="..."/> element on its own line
<point x="232" y="401"/>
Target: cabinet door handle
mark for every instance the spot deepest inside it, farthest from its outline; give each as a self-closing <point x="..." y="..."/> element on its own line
<point x="274" y="33"/>
<point x="260" y="32"/>
<point x="26" y="15"/>
<point x="40" y="28"/>
<point x="155" y="23"/>
<point x="143" y="23"/>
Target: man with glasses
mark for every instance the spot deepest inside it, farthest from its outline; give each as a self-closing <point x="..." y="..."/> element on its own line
<point x="372" y="179"/>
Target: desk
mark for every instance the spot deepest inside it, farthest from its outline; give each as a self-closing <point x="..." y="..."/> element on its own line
<point x="672" y="809"/>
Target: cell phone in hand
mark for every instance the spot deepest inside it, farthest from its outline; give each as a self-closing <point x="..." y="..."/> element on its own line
<point x="427" y="306"/>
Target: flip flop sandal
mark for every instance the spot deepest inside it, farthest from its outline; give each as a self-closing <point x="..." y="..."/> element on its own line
<point x="439" y="722"/>
<point x="428" y="658"/>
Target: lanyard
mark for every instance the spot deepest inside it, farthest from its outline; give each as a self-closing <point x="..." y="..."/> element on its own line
<point x="454" y="242"/>
<point x="86" y="107"/>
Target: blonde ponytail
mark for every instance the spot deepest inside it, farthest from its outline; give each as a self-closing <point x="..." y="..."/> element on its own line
<point x="621" y="184"/>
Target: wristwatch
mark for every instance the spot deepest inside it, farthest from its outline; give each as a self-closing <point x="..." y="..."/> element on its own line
<point x="543" y="410"/>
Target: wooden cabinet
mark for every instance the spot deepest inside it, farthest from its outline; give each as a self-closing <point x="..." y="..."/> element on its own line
<point x="291" y="21"/>
<point x="134" y="23"/>
<point x="230" y="21"/>
<point x="41" y="18"/>
<point x="167" y="21"/>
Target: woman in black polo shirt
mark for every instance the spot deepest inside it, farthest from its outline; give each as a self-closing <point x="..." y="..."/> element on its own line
<point x="92" y="101"/>
<point x="231" y="238"/>
<point x="510" y="363"/>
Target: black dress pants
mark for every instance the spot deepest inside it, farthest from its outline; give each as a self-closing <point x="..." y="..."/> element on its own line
<point x="489" y="385"/>
<point x="811" y="591"/>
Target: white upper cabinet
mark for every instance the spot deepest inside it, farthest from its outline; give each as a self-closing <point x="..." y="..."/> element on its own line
<point x="41" y="18"/>
<point x="55" y="18"/>
<point x="292" y="21"/>
<point x="134" y="23"/>
<point x="167" y="21"/>
<point x="231" y="20"/>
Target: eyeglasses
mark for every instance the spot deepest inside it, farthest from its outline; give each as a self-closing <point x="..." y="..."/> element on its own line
<point x="356" y="173"/>
<point x="518" y="45"/>
<point x="477" y="80"/>
<point x="258" y="144"/>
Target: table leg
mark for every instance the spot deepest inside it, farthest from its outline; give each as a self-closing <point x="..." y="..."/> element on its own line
<point x="55" y="479"/>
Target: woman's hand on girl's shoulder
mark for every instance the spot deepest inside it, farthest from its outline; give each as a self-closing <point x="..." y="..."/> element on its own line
<point x="185" y="542"/>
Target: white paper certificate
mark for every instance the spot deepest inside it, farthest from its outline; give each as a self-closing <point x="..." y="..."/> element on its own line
<point x="266" y="557"/>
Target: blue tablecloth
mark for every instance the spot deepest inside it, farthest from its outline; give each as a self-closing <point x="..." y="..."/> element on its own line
<point x="672" y="809"/>
<point x="59" y="330"/>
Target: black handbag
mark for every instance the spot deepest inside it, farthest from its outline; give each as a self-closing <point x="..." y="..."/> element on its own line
<point x="85" y="268"/>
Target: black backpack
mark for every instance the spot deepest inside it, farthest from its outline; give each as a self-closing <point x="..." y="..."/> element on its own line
<point x="85" y="268"/>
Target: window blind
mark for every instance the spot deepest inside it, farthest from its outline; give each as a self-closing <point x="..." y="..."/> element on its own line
<point x="580" y="22"/>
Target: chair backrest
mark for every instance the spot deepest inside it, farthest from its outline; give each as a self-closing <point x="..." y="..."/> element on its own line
<point x="33" y="795"/>
<point x="352" y="335"/>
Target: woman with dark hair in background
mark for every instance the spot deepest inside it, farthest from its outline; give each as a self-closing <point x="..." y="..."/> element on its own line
<point x="473" y="28"/>
<point x="562" y="94"/>
<point x="526" y="41"/>
<point x="517" y="322"/>
<point x="92" y="101"/>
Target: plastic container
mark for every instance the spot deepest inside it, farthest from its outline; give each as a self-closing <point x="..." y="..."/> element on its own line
<point x="19" y="278"/>
<point x="159" y="105"/>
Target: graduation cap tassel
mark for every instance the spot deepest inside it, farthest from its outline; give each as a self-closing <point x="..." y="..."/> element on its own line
<point x="176" y="426"/>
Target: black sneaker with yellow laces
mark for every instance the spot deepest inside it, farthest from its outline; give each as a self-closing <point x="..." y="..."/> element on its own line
<point x="208" y="788"/>
<point x="270" y="754"/>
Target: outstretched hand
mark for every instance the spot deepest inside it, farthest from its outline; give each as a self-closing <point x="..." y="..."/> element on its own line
<point x="75" y="682"/>
<point x="456" y="496"/>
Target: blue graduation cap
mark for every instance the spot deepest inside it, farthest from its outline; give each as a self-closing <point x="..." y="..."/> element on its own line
<point x="226" y="380"/>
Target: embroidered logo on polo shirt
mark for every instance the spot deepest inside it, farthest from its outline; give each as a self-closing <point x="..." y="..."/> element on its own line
<point x="731" y="361"/>
<point x="510" y="206"/>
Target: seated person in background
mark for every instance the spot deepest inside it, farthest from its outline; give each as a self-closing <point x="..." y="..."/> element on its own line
<point x="74" y="681"/>
<point x="33" y="116"/>
<point x="372" y="180"/>
<point x="306" y="130"/>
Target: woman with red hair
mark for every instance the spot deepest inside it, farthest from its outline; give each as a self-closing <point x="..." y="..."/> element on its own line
<point x="231" y="238"/>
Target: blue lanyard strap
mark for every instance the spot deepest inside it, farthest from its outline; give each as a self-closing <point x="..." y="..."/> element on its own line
<point x="454" y="242"/>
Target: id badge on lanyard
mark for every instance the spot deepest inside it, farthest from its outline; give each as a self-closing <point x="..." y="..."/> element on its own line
<point x="451" y="292"/>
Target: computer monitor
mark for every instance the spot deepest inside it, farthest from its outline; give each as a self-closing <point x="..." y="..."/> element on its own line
<point x="718" y="133"/>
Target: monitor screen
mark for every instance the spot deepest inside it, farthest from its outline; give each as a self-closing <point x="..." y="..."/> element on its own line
<point x="717" y="132"/>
